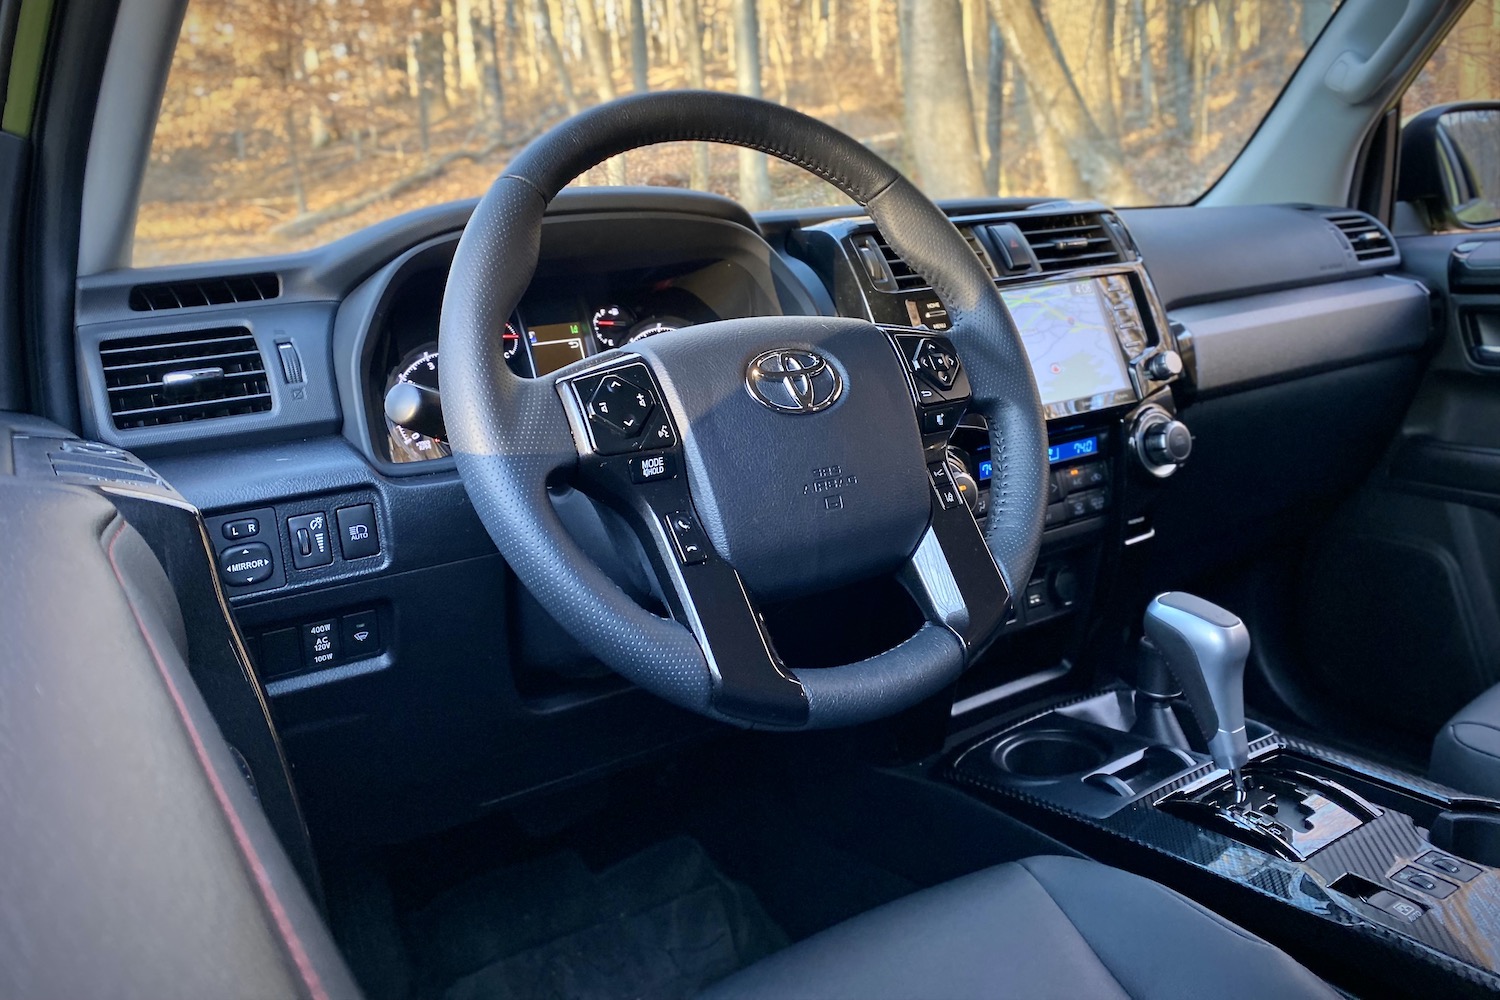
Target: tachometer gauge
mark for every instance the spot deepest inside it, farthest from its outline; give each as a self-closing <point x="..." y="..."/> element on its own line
<point x="612" y="325"/>
<point x="656" y="324"/>
<point x="412" y="392"/>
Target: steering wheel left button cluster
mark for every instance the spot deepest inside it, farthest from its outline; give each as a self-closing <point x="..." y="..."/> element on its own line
<point x="622" y="411"/>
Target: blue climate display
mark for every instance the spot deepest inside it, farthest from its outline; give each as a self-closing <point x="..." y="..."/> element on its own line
<point x="986" y="469"/>
<point x="1069" y="450"/>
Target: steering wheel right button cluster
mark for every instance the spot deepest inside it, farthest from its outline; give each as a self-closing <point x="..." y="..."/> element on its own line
<point x="938" y="377"/>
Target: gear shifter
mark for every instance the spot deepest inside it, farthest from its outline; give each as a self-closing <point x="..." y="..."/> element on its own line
<point x="1205" y="648"/>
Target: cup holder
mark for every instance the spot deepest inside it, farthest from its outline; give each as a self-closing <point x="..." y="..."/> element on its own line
<point x="1048" y="754"/>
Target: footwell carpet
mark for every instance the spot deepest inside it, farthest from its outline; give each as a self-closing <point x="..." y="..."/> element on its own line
<point x="662" y="924"/>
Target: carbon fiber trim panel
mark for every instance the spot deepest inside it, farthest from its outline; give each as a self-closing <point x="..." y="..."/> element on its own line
<point x="1455" y="942"/>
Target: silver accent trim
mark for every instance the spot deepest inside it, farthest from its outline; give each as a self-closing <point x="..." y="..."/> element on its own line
<point x="1144" y="536"/>
<point x="1010" y="688"/>
<point x="804" y="380"/>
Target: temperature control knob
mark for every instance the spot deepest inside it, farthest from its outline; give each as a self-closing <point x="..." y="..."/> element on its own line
<point x="1161" y="442"/>
<point x="1163" y="366"/>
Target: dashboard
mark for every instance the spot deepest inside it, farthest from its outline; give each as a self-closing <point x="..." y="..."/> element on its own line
<point x="410" y="650"/>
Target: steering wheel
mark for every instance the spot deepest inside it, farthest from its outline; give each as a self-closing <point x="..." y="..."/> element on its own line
<point x="757" y="460"/>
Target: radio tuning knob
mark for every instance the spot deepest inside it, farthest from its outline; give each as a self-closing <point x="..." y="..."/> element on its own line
<point x="1160" y="441"/>
<point x="1168" y="443"/>
<point x="1164" y="365"/>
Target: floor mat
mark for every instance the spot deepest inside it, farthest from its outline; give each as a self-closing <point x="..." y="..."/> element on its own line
<point x="663" y="923"/>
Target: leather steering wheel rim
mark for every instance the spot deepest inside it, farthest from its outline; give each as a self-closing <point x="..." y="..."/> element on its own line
<point x="512" y="444"/>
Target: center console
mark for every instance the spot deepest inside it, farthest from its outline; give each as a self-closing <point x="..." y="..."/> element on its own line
<point x="1358" y="869"/>
<point x="1106" y="362"/>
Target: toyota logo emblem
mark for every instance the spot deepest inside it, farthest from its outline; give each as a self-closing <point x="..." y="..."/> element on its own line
<point x="792" y="380"/>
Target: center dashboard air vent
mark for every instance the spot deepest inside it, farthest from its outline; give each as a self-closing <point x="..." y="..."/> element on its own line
<point x="172" y="378"/>
<point x="1068" y="241"/>
<point x="1367" y="239"/>
<point x="889" y="273"/>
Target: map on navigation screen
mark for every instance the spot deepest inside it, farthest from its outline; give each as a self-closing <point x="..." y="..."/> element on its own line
<point x="1069" y="339"/>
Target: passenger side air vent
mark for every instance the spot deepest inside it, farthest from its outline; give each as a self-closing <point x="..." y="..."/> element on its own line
<point x="889" y="273"/>
<point x="173" y="378"/>
<point x="1066" y="242"/>
<point x="204" y="292"/>
<point x="1366" y="237"/>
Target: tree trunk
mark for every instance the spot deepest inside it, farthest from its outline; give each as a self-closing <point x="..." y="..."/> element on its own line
<point x="1143" y="61"/>
<point x="755" y="179"/>
<point x="541" y="21"/>
<point x="939" y="108"/>
<point x="1083" y="35"/>
<point x="639" y="53"/>
<point x="994" y="110"/>
<point x="294" y="160"/>
<point x="594" y="46"/>
<point x="1179" y="69"/>
<point x="453" y="95"/>
<point x="487" y="59"/>
<point x="877" y="37"/>
<point x="604" y="83"/>
<point x="1061" y="107"/>
<point x="690" y="22"/>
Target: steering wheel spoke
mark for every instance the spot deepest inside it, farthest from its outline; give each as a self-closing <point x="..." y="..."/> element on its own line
<point x="631" y="458"/>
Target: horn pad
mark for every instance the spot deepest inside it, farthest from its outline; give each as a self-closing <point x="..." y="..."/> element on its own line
<point x="802" y="448"/>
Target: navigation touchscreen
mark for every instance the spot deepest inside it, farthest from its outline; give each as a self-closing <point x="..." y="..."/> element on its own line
<point x="1072" y="345"/>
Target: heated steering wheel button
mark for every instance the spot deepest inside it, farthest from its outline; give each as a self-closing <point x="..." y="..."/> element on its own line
<point x="621" y="405"/>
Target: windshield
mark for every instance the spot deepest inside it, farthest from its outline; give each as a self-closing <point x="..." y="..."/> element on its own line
<point x="288" y="123"/>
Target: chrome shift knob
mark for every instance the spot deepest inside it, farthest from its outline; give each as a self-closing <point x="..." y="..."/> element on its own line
<point x="1205" y="647"/>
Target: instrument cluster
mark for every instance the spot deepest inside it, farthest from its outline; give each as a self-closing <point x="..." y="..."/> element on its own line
<point x="562" y="319"/>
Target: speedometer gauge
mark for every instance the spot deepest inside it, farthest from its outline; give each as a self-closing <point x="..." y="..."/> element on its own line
<point x="420" y="369"/>
<point x="656" y="324"/>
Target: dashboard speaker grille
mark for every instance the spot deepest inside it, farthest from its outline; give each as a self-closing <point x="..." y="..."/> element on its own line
<point x="173" y="378"/>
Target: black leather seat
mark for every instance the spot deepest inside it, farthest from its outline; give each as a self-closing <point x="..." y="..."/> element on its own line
<point x="1466" y="752"/>
<point x="1043" y="927"/>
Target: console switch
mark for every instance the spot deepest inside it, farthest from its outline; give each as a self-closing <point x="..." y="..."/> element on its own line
<point x="311" y="545"/>
<point x="1423" y="882"/>
<point x="1396" y="905"/>
<point x="320" y="643"/>
<point x="359" y="634"/>
<point x="1452" y="867"/>
<point x="244" y="565"/>
<point x="359" y="535"/>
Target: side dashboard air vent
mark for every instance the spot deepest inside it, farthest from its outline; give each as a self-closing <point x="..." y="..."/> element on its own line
<point x="1066" y="242"/>
<point x="173" y="378"/>
<point x="1366" y="237"/>
<point x="204" y="292"/>
<point x="889" y="273"/>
